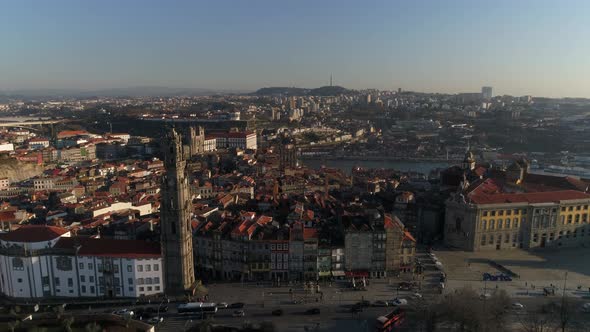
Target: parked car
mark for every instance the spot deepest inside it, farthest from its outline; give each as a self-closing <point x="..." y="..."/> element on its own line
<point x="517" y="306"/>
<point x="239" y="313"/>
<point x="364" y="303"/>
<point x="417" y="296"/>
<point x="277" y="312"/>
<point x="313" y="311"/>
<point x="155" y="320"/>
<point x="379" y="304"/>
<point x="399" y="302"/>
<point x="124" y="312"/>
<point x="237" y="305"/>
<point x="586" y="307"/>
<point x="485" y="296"/>
<point x="222" y="305"/>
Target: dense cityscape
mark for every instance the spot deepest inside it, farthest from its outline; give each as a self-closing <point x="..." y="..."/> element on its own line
<point x="294" y="166"/>
<point x="310" y="193"/>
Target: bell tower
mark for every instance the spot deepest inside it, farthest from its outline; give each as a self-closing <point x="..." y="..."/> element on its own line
<point x="175" y="219"/>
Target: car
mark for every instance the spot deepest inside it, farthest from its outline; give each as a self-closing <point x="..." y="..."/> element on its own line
<point x="239" y="313"/>
<point x="356" y="309"/>
<point x="313" y="311"/>
<point x="586" y="307"/>
<point x="379" y="304"/>
<point x="399" y="302"/>
<point x="364" y="303"/>
<point x="417" y="296"/>
<point x="222" y="305"/>
<point x="277" y="312"/>
<point x="124" y="312"/>
<point x="404" y="285"/>
<point x="485" y="296"/>
<point x="237" y="305"/>
<point x="517" y="306"/>
<point x="155" y="320"/>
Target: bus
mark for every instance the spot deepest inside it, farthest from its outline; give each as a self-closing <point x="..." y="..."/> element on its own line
<point x="201" y="308"/>
<point x="391" y="320"/>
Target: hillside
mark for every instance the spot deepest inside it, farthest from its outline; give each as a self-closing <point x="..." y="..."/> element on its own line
<point x="18" y="171"/>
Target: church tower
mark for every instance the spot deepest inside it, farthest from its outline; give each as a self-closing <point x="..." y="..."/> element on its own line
<point x="196" y="140"/>
<point x="175" y="219"/>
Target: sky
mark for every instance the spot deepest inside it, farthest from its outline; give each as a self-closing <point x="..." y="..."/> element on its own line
<point x="520" y="47"/>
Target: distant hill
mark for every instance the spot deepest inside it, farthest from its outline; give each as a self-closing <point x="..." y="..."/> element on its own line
<point x="286" y="91"/>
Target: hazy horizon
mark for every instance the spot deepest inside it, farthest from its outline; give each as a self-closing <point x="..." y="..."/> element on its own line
<point x="523" y="47"/>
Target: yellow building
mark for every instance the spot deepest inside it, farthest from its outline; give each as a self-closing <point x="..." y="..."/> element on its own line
<point x="494" y="221"/>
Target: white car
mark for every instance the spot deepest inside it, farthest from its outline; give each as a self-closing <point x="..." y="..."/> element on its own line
<point x="124" y="312"/>
<point x="485" y="296"/>
<point x="399" y="302"/>
<point x="517" y="306"/>
<point x="155" y="320"/>
<point x="222" y="305"/>
<point x="586" y="307"/>
<point x="417" y="296"/>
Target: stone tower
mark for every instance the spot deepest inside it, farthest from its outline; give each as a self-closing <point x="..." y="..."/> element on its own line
<point x="197" y="140"/>
<point x="175" y="219"/>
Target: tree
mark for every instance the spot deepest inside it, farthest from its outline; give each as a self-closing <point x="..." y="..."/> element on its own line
<point x="537" y="321"/>
<point x="67" y="323"/>
<point x="92" y="327"/>
<point x="12" y="325"/>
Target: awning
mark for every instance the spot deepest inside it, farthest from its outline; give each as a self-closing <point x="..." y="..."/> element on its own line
<point x="338" y="273"/>
<point x="324" y="273"/>
<point x="357" y="274"/>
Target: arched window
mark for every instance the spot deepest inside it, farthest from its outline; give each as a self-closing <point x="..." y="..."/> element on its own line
<point x="484" y="224"/>
<point x="492" y="224"/>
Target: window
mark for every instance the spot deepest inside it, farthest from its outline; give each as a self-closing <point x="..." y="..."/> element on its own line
<point x="571" y="208"/>
<point x="563" y="209"/>
<point x="535" y="237"/>
<point x="141" y="289"/>
<point x="492" y="224"/>
<point x="90" y="266"/>
<point x="515" y="222"/>
<point x="100" y="269"/>
<point x="116" y="268"/>
<point x="499" y="239"/>
<point x="70" y="282"/>
<point x="485" y="213"/>
<point x="508" y="212"/>
<point x="563" y="220"/>
<point x="18" y="264"/>
<point x="83" y="289"/>
<point x="493" y="213"/>
<point x="506" y="238"/>
<point x="484" y="224"/>
<point x="91" y="278"/>
<point x="116" y="281"/>
<point x="129" y="268"/>
<point x="139" y="268"/>
<point x="514" y="237"/>
<point x="523" y="212"/>
<point x="157" y="288"/>
<point x="140" y="281"/>
<point x="148" y="281"/>
<point x="156" y="267"/>
<point x="501" y="212"/>
<point x="578" y="208"/>
<point x="118" y="290"/>
<point x="19" y="280"/>
<point x="82" y="278"/>
<point x="149" y="288"/>
<point x="81" y="266"/>
<point x="491" y="239"/>
<point x="130" y="281"/>
<point x="483" y="240"/>
<point x="569" y="219"/>
<point x="156" y="280"/>
<point x="100" y="280"/>
<point x="577" y="218"/>
<point x="56" y="280"/>
<point x="92" y="290"/>
<point x="507" y="223"/>
<point x="499" y="223"/>
<point x="148" y="268"/>
<point x="45" y="281"/>
<point x="131" y="289"/>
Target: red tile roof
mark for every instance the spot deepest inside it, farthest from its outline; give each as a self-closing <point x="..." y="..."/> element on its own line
<point x="111" y="248"/>
<point x="537" y="197"/>
<point x="33" y="233"/>
<point x="310" y="233"/>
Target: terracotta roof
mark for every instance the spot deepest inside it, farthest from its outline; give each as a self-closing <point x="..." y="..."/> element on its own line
<point x="111" y="248"/>
<point x="537" y="197"/>
<point x="310" y="233"/>
<point x="33" y="233"/>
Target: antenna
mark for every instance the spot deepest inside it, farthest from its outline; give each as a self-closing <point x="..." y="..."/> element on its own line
<point x="330" y="79"/>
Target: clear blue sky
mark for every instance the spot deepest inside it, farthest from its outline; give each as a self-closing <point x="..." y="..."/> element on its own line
<point x="538" y="47"/>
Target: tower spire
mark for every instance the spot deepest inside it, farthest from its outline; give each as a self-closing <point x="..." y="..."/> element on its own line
<point x="330" y="79"/>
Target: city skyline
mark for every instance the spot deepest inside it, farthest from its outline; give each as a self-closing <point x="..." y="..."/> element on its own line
<point x="524" y="48"/>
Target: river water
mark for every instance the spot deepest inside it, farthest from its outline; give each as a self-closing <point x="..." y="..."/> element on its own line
<point x="423" y="167"/>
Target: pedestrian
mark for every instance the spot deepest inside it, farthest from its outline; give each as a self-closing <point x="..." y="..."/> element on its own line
<point x="526" y="284"/>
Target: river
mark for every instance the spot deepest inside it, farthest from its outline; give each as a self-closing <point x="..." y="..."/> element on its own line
<point x="423" y="167"/>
